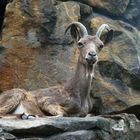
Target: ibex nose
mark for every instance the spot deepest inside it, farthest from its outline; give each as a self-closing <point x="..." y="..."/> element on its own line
<point x="92" y="54"/>
<point x="91" y="58"/>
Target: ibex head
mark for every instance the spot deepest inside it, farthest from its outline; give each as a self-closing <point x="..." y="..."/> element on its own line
<point x="88" y="45"/>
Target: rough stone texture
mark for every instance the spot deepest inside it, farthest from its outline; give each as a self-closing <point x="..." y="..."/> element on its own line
<point x="113" y="7"/>
<point x="118" y="83"/>
<point x="29" y="27"/>
<point x="132" y="13"/>
<point x="126" y="10"/>
<point x="58" y="128"/>
<point x="21" y="53"/>
<point x="66" y="13"/>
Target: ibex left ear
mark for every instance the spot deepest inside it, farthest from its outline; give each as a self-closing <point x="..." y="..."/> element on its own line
<point x="75" y="34"/>
<point x="77" y="30"/>
<point x="105" y="33"/>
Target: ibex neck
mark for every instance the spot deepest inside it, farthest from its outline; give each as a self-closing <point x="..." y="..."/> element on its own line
<point x="80" y="85"/>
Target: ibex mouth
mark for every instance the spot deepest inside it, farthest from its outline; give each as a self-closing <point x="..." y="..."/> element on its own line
<point x="91" y="61"/>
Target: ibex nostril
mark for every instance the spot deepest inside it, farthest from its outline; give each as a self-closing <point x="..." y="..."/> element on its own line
<point x="92" y="54"/>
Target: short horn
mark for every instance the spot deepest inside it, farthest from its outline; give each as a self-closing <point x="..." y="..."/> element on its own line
<point x="83" y="30"/>
<point x="101" y="29"/>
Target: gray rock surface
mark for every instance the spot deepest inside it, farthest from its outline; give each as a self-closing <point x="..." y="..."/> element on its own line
<point x="113" y="7"/>
<point x="117" y="127"/>
<point x="132" y="13"/>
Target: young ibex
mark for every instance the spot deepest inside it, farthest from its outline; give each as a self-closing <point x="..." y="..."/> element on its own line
<point x="72" y="99"/>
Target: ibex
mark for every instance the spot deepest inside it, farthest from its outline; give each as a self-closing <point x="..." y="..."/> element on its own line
<point x="72" y="99"/>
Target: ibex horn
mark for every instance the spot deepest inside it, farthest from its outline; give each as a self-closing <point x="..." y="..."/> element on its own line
<point x="101" y="29"/>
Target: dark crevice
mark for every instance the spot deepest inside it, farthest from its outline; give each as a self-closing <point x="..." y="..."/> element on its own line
<point x="37" y="133"/>
<point x="131" y="110"/>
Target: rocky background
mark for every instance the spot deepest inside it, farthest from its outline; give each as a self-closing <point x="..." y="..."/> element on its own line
<point x="35" y="53"/>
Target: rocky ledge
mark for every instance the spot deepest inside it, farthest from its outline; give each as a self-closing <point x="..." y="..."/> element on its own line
<point x="113" y="127"/>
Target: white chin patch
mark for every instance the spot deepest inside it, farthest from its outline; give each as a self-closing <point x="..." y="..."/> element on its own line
<point x="90" y="74"/>
<point x="90" y="71"/>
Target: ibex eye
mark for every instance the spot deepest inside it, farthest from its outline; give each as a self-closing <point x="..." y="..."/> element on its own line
<point x="101" y="46"/>
<point x="80" y="45"/>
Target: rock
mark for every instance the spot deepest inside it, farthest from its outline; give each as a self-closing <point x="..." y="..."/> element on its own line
<point x="124" y="49"/>
<point x="77" y="135"/>
<point x="113" y="7"/>
<point x="117" y="87"/>
<point x="6" y="136"/>
<point x="132" y="13"/>
<point x="48" y="19"/>
<point x="26" y="57"/>
<point x="66" y="13"/>
<point x="54" y="18"/>
<point x="115" y="127"/>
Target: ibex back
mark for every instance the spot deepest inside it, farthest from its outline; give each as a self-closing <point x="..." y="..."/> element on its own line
<point x="72" y="99"/>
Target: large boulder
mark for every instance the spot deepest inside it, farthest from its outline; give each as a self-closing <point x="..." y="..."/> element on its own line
<point x="112" y="7"/>
<point x="132" y="13"/>
<point x="121" y="126"/>
<point x="117" y="85"/>
<point x="27" y="61"/>
<point x="126" y="10"/>
<point x="66" y="12"/>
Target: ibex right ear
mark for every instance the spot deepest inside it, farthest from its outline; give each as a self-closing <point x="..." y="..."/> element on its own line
<point x="106" y="38"/>
<point x="105" y="33"/>
<point x="75" y="34"/>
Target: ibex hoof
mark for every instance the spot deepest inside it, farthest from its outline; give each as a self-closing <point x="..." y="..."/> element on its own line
<point x="26" y="116"/>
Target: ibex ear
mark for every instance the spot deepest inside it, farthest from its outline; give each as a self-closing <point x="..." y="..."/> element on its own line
<point x="105" y="33"/>
<point x="106" y="38"/>
<point x="77" y="30"/>
<point x="75" y="34"/>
